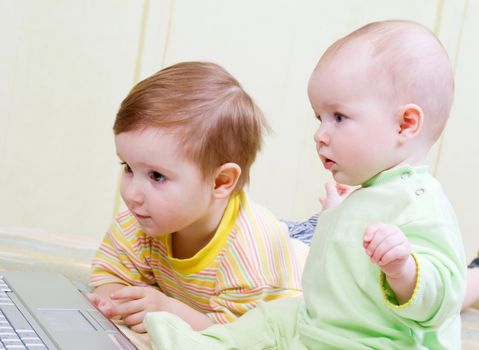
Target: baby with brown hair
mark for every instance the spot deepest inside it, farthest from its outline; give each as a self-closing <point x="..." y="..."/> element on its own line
<point x="191" y="241"/>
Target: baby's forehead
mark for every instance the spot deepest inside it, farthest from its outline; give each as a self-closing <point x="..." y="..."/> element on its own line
<point x="348" y="62"/>
<point x="386" y="42"/>
<point x="381" y="60"/>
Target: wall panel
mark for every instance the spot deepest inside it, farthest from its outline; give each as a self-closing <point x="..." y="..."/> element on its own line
<point x="68" y="65"/>
<point x="458" y="164"/>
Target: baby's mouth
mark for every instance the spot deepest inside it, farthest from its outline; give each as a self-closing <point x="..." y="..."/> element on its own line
<point x="139" y="216"/>
<point x="328" y="163"/>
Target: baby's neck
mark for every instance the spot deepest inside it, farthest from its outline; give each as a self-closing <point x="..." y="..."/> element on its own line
<point x="414" y="159"/>
<point x="189" y="241"/>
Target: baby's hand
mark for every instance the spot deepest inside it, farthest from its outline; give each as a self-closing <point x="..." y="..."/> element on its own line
<point x="132" y="304"/>
<point x="335" y="194"/>
<point x="387" y="246"/>
<point x="104" y="304"/>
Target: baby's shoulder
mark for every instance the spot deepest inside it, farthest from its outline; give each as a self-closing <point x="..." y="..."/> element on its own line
<point x="258" y="232"/>
<point x="255" y="219"/>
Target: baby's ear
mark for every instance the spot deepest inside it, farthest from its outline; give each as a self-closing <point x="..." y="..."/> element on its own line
<point x="411" y="118"/>
<point x="226" y="178"/>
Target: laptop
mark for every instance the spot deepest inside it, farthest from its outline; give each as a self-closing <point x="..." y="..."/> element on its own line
<point x="45" y="310"/>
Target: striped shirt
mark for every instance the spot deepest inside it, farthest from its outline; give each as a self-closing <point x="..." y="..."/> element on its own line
<point x="249" y="259"/>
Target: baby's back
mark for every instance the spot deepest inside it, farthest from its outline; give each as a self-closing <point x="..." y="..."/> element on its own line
<point x="348" y="301"/>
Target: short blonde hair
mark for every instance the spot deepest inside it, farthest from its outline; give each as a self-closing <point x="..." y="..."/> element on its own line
<point x="216" y="120"/>
<point x="416" y="62"/>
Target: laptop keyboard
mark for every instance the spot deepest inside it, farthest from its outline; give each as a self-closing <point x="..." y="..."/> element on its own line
<point x="15" y="331"/>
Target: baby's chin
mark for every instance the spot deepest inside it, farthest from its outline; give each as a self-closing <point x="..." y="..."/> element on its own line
<point x="352" y="179"/>
<point x="153" y="233"/>
<point x="346" y="180"/>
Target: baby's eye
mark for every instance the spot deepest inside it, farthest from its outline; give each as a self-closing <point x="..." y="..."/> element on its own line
<point x="126" y="168"/>
<point x="339" y="117"/>
<point x="156" y="176"/>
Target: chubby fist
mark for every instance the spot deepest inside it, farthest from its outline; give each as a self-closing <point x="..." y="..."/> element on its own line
<point x="387" y="246"/>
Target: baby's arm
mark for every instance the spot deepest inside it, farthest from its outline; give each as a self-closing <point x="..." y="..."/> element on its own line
<point x="133" y="303"/>
<point x="387" y="246"/>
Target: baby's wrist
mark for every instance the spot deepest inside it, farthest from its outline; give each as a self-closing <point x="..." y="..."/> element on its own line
<point x="405" y="271"/>
<point x="168" y="304"/>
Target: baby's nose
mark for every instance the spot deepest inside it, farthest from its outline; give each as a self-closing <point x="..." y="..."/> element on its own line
<point x="321" y="136"/>
<point x="133" y="193"/>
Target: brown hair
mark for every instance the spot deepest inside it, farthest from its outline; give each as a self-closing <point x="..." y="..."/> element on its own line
<point x="216" y="120"/>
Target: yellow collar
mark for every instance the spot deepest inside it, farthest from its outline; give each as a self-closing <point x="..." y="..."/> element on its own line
<point x="205" y="257"/>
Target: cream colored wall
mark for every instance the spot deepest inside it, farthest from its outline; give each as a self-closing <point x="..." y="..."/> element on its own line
<point x="66" y="65"/>
<point x="64" y="68"/>
<point x="458" y="165"/>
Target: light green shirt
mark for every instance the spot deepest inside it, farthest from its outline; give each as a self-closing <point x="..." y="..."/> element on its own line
<point x="348" y="304"/>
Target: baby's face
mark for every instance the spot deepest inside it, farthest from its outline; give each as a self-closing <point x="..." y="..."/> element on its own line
<point x="358" y="133"/>
<point x="165" y="191"/>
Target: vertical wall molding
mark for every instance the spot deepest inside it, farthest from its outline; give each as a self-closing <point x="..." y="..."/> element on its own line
<point x="454" y="58"/>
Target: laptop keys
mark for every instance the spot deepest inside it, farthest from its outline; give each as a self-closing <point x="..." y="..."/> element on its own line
<point x="15" y="331"/>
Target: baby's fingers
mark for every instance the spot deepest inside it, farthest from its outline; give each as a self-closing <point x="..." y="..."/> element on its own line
<point x="396" y="253"/>
<point x="370" y="233"/>
<point x="380" y="246"/>
<point x="129" y="293"/>
<point x="331" y="197"/>
<point x="131" y="307"/>
<point x="379" y="238"/>
<point x="94" y="299"/>
<point x="343" y="190"/>
<point x="322" y="201"/>
<point x="135" y="322"/>
<point x="108" y="309"/>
